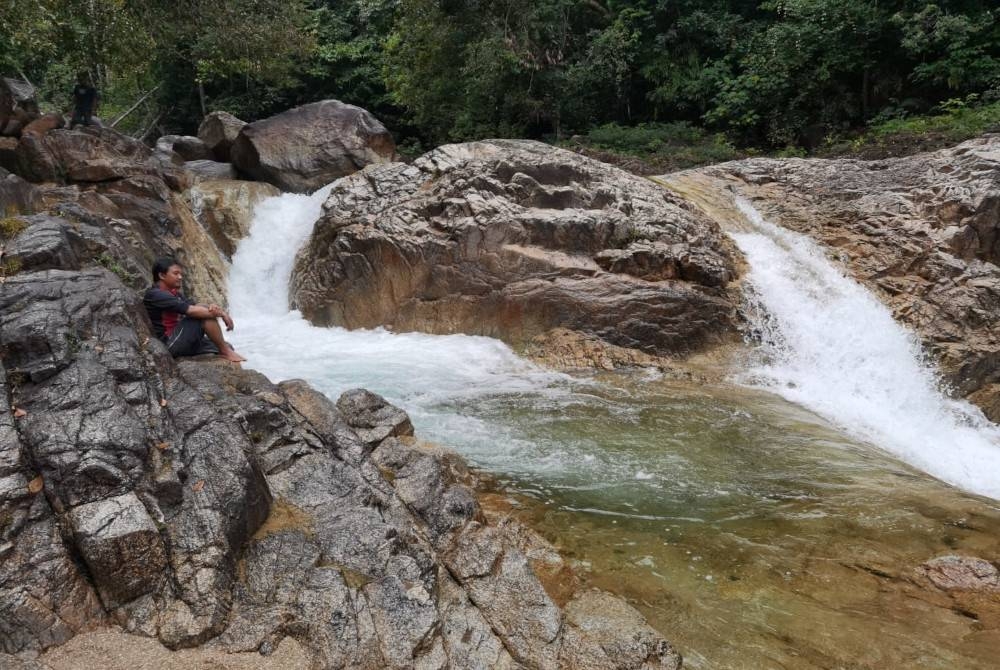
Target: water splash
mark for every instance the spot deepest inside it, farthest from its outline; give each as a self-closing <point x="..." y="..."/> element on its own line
<point x="831" y="346"/>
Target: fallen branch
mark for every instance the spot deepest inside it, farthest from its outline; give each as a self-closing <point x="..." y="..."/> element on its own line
<point x="135" y="106"/>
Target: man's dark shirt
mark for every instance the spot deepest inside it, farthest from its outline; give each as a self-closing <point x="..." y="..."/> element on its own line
<point x="83" y="97"/>
<point x="165" y="309"/>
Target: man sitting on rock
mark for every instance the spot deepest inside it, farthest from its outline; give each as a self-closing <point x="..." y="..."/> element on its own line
<point x="188" y="329"/>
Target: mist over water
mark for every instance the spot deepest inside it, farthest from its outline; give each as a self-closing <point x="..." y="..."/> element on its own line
<point x="829" y="345"/>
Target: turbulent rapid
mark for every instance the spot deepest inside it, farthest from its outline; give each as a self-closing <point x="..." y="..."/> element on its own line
<point x="829" y="345"/>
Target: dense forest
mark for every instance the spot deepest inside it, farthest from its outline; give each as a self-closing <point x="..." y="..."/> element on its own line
<point x="764" y="73"/>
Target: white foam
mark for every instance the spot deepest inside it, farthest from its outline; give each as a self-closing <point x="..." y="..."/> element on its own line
<point x="430" y="376"/>
<point x="832" y="347"/>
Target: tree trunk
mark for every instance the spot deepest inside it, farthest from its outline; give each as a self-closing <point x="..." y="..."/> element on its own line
<point x="201" y="98"/>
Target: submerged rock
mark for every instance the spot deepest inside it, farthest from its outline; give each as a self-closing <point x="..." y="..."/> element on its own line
<point x="512" y="239"/>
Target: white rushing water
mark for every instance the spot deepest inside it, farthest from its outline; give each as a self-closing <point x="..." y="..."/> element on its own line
<point x="832" y="347"/>
<point x="432" y="376"/>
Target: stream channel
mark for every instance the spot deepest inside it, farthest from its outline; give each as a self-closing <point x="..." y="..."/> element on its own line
<point x="770" y="520"/>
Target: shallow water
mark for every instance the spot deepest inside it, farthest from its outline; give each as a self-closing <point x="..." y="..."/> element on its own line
<point x="756" y="536"/>
<point x="752" y="532"/>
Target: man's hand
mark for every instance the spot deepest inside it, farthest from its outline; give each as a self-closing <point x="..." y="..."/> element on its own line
<point x="227" y="320"/>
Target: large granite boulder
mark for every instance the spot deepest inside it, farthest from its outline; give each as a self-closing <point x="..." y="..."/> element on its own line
<point x="922" y="232"/>
<point x="218" y="131"/>
<point x="512" y="239"/>
<point x="307" y="147"/>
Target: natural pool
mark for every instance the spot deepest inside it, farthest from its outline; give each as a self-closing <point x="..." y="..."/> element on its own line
<point x="753" y="532"/>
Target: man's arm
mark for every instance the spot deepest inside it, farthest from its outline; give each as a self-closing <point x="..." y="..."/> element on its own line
<point x="201" y="311"/>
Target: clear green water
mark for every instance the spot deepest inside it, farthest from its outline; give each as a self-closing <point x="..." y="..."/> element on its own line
<point x="748" y="531"/>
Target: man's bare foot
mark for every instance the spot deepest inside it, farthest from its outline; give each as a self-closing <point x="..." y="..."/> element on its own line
<point x="230" y="355"/>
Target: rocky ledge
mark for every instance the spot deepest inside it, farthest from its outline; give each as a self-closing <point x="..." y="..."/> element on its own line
<point x="516" y="239"/>
<point x="922" y="232"/>
<point x="199" y="504"/>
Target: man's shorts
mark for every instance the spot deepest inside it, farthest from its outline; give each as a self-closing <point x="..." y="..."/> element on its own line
<point x="189" y="339"/>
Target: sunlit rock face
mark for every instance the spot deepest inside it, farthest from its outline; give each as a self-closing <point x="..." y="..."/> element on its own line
<point x="512" y="239"/>
<point x="923" y="232"/>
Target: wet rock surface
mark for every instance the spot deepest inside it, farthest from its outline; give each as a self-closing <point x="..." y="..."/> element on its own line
<point x="513" y="239"/>
<point x="307" y="147"/>
<point x="197" y="503"/>
<point x="923" y="232"/>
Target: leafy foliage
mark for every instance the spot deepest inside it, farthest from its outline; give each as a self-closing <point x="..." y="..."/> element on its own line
<point x="771" y="73"/>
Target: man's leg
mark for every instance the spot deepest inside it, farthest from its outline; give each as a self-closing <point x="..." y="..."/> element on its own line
<point x="214" y="332"/>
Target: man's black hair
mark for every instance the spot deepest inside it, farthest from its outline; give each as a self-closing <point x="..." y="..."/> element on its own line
<point x="162" y="265"/>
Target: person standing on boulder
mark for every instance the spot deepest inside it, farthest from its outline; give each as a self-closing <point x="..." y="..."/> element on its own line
<point x="187" y="328"/>
<point x="85" y="100"/>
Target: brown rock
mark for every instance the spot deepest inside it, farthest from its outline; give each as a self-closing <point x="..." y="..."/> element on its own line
<point x="506" y="239"/>
<point x="44" y="124"/>
<point x="307" y="147"/>
<point x="89" y="155"/>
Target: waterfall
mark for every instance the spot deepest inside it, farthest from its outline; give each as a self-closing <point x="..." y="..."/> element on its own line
<point x="431" y="376"/>
<point x="829" y="345"/>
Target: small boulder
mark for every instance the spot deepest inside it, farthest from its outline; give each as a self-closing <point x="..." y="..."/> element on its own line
<point x="372" y="417"/>
<point x="203" y="170"/>
<point x="189" y="148"/>
<point x="218" y="131"/>
<point x="307" y="147"/>
<point x="121" y="546"/>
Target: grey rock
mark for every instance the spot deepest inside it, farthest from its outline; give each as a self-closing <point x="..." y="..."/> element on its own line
<point x="371" y="417"/>
<point x="309" y="146"/>
<point x="502" y="585"/>
<point x="16" y="195"/>
<point x="122" y="547"/>
<point x="218" y="131"/>
<point x="187" y="147"/>
<point x="604" y="633"/>
<point x="209" y="169"/>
